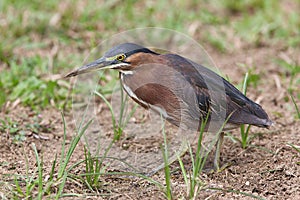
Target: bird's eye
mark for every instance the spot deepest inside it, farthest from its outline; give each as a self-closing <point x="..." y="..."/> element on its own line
<point x="121" y="57"/>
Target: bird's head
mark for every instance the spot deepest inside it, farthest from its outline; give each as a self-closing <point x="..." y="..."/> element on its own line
<point x="123" y="57"/>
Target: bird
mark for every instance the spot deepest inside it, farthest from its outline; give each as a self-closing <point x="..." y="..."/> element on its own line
<point x="184" y="92"/>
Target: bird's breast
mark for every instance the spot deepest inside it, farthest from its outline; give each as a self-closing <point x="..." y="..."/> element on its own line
<point x="165" y="91"/>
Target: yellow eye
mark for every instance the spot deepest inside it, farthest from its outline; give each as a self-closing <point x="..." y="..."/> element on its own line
<point x="121" y="57"/>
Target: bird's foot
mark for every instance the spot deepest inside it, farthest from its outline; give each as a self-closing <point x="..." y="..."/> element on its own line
<point x="217" y="169"/>
<point x="220" y="169"/>
<point x="146" y="117"/>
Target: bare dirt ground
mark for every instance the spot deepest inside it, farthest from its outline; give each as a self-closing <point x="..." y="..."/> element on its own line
<point x="268" y="168"/>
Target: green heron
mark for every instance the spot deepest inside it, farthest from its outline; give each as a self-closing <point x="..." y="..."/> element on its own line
<point x="182" y="91"/>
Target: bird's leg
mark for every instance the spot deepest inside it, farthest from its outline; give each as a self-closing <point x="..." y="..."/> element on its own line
<point x="218" y="151"/>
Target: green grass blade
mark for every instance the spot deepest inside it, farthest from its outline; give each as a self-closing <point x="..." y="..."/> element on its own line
<point x="61" y="186"/>
<point x="295" y="147"/>
<point x="123" y="104"/>
<point x="17" y="187"/>
<point x="245" y="83"/>
<point x="53" y="168"/>
<point x="166" y="168"/>
<point x="40" y="172"/>
<point x="111" y="112"/>
<point x="62" y="154"/>
<point x="244" y="133"/>
<point x="296" y="107"/>
<point x="183" y="170"/>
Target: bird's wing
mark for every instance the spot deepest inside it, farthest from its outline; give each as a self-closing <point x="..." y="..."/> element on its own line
<point x="208" y="85"/>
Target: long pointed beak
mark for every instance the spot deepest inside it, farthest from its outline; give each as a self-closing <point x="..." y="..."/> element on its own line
<point x="101" y="63"/>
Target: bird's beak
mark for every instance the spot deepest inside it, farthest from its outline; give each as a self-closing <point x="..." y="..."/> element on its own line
<point x="101" y="63"/>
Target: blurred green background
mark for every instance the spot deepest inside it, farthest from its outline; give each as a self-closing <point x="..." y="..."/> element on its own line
<point x="42" y="38"/>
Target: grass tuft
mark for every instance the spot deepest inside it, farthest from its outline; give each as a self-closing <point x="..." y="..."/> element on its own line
<point x="32" y="186"/>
